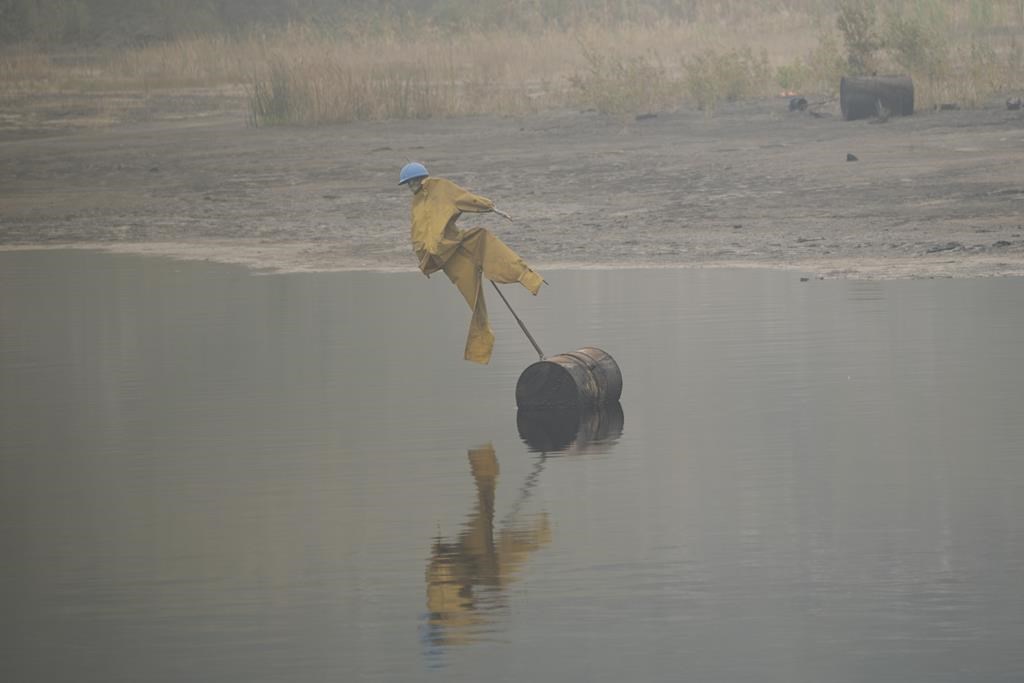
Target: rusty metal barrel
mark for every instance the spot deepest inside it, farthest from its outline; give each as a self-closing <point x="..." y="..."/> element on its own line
<point x="862" y="97"/>
<point x="585" y="378"/>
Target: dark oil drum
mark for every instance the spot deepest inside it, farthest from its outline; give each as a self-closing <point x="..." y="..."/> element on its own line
<point x="584" y="378"/>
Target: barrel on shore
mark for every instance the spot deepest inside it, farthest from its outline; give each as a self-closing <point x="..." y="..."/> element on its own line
<point x="863" y="97"/>
<point x="586" y="378"/>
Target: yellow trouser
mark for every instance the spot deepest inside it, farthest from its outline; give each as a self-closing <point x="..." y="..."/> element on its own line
<point x="481" y="253"/>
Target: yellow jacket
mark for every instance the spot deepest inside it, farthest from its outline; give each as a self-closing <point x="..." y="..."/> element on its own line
<point x="435" y="208"/>
<point x="465" y="256"/>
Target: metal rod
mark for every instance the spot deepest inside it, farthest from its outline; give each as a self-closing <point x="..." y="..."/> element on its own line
<point x="525" y="331"/>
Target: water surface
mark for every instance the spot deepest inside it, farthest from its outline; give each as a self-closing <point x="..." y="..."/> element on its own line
<point x="211" y="475"/>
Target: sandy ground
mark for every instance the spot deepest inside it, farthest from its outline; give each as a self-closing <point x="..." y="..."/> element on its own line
<point x="939" y="194"/>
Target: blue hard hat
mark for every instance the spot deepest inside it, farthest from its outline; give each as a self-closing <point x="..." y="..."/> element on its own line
<point x="411" y="171"/>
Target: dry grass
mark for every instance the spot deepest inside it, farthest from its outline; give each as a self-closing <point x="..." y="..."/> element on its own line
<point x="618" y="68"/>
<point x="957" y="52"/>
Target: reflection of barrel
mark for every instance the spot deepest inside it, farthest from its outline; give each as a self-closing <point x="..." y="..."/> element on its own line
<point x="561" y="429"/>
<point x="584" y="378"/>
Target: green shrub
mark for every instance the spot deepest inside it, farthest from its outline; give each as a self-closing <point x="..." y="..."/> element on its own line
<point x="983" y="77"/>
<point x="827" y="65"/>
<point x="856" y="23"/>
<point x="615" y="84"/>
<point x="713" y="77"/>
<point x="793" y="77"/>
<point x="919" y="49"/>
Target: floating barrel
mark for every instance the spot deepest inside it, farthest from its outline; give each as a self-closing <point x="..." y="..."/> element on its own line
<point x="585" y="378"/>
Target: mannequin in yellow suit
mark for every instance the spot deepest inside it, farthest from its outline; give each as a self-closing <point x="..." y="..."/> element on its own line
<point x="466" y="256"/>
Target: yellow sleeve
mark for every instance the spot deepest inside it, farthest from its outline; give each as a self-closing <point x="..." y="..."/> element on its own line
<point x="439" y="202"/>
<point x="471" y="203"/>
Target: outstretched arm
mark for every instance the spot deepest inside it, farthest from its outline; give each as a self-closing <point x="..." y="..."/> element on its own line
<point x="472" y="203"/>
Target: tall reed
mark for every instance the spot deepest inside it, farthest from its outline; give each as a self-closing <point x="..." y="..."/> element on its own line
<point x="617" y="57"/>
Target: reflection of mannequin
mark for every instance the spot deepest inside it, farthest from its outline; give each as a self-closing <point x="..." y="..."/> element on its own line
<point x="467" y="576"/>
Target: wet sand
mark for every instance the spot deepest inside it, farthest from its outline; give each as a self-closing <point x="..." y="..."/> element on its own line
<point x="938" y="194"/>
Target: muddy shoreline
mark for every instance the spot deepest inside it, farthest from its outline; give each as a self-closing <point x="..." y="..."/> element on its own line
<point x="939" y="194"/>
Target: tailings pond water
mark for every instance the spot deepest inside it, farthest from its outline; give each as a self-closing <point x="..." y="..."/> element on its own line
<point x="213" y="475"/>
